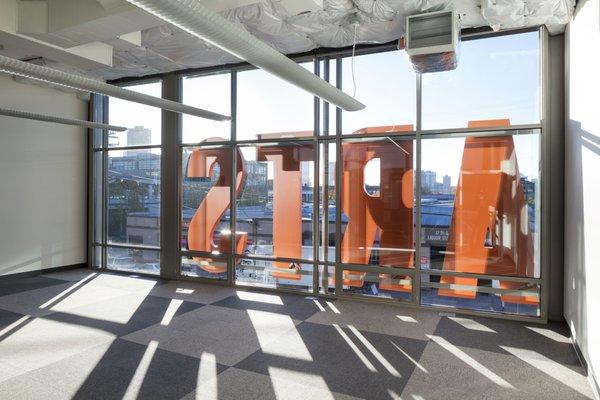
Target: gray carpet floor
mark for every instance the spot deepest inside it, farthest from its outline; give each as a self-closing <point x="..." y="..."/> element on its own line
<point x="82" y="334"/>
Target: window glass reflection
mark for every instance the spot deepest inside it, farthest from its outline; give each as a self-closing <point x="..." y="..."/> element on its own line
<point x="377" y="205"/>
<point x="496" y="77"/>
<point x="143" y="122"/>
<point x="204" y="267"/>
<point x="134" y="197"/>
<point x="274" y="210"/>
<point x="268" y="274"/>
<point x="480" y="212"/>
<point x="212" y="93"/>
<point x="490" y="295"/>
<point x="270" y="108"/>
<point x="386" y="83"/>
<point x="373" y="284"/>
<point x="205" y="219"/>
<point x="133" y="260"/>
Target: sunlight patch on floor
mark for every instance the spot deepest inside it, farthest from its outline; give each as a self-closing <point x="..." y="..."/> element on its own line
<point x="260" y="297"/>
<point x="386" y="364"/>
<point x="471" y="324"/>
<point x="14" y="325"/>
<point x="170" y="312"/>
<point x="280" y="377"/>
<point x="550" y="334"/>
<point x="355" y="349"/>
<point x="68" y="290"/>
<point x="271" y="326"/>
<point x="470" y="361"/>
<point x="207" y="386"/>
<point x="133" y="390"/>
<point x="564" y="375"/>
<point x="406" y="318"/>
<point x="412" y="360"/>
<point x="333" y="307"/>
<point x="319" y="305"/>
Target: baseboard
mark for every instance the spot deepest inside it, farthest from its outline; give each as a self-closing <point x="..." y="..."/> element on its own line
<point x="38" y="272"/>
<point x="591" y="376"/>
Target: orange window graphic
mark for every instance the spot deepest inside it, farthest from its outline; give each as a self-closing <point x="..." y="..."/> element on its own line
<point x="489" y="232"/>
<point x="287" y="204"/>
<point x="201" y="231"/>
<point x="387" y="215"/>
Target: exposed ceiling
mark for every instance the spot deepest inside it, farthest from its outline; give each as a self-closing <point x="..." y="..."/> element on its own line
<point x="110" y="39"/>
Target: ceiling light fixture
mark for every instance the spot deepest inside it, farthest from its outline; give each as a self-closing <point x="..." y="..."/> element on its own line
<point x="59" y="120"/>
<point x="46" y="74"/>
<point x="193" y="17"/>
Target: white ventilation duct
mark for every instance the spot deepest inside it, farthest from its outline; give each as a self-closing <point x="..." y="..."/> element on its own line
<point x="198" y="20"/>
<point x="28" y="70"/>
<point x="59" y="120"/>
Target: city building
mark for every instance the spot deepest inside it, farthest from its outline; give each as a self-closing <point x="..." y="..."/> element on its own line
<point x="299" y="199"/>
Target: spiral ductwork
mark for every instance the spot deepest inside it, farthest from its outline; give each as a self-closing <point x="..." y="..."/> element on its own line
<point x="38" y="72"/>
<point x="198" y="20"/>
<point x="59" y="120"/>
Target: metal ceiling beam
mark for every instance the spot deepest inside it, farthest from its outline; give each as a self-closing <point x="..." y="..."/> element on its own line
<point x="59" y="120"/>
<point x="193" y="17"/>
<point x="46" y="74"/>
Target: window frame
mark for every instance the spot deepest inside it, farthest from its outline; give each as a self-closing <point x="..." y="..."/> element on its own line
<point x="324" y="61"/>
<point x="99" y="111"/>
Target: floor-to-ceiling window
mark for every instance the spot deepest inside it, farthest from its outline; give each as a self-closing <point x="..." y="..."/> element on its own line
<point x="480" y="221"/>
<point x="205" y="235"/>
<point x="480" y="179"/>
<point x="430" y="195"/>
<point x="127" y="182"/>
<point x="274" y="208"/>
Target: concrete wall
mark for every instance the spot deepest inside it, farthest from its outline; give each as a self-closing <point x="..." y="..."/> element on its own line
<point x="582" y="181"/>
<point x="42" y="181"/>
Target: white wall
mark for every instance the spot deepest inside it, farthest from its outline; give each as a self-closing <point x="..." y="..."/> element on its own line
<point x="42" y="181"/>
<point x="582" y="181"/>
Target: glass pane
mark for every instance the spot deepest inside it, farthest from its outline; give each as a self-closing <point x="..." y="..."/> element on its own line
<point x="480" y="205"/>
<point x="270" y="108"/>
<point x="274" y="274"/>
<point x="327" y="203"/>
<point x="211" y="93"/>
<point x="133" y="260"/>
<point x="496" y="78"/>
<point x="386" y="83"/>
<point x="205" y="219"/>
<point x="143" y="122"/>
<point x="134" y="197"/>
<point x="375" y="284"/>
<point x="274" y="211"/>
<point x="480" y="215"/>
<point x="203" y="267"/>
<point x="377" y="202"/>
<point x="481" y="294"/>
